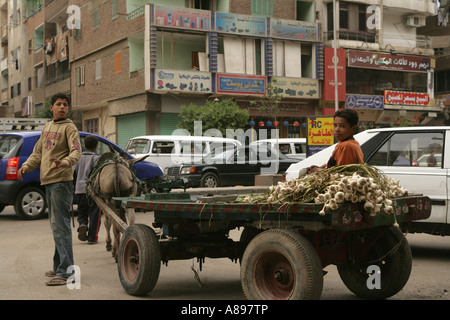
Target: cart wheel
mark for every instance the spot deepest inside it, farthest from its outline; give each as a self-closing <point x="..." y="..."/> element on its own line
<point x="139" y="259"/>
<point x="281" y="264"/>
<point x="395" y="268"/>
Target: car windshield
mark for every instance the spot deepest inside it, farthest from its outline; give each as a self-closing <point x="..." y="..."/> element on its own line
<point x="10" y="146"/>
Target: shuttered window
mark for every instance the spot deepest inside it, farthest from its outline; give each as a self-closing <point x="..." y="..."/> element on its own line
<point x="168" y="123"/>
<point x="129" y="126"/>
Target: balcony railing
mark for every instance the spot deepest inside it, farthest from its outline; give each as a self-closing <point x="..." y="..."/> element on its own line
<point x="136" y="13"/>
<point x="351" y="35"/>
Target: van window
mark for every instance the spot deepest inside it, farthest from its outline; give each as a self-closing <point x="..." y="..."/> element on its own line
<point x="411" y="150"/>
<point x="164" y="147"/>
<point x="196" y="147"/>
<point x="285" y="148"/>
<point x="138" y="146"/>
<point x="299" y="148"/>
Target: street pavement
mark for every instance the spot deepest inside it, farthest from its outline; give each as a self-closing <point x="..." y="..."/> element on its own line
<point x="26" y="250"/>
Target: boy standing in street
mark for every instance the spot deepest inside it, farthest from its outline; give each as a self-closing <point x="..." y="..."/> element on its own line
<point x="56" y="152"/>
<point x="88" y="212"/>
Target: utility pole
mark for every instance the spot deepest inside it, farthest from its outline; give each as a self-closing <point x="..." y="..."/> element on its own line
<point x="335" y="58"/>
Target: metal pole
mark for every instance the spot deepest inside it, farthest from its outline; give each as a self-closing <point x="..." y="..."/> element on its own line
<point x="335" y="58"/>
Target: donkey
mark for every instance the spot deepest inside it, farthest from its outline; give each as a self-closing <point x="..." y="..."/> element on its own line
<point x="114" y="177"/>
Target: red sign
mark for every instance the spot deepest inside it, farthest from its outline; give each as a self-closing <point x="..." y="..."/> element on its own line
<point x="409" y="98"/>
<point x="328" y="83"/>
<point x="386" y="61"/>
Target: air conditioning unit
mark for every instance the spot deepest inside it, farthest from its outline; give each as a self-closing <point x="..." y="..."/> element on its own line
<point x="412" y="21"/>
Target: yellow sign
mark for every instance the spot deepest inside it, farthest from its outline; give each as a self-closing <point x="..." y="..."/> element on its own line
<point x="320" y="133"/>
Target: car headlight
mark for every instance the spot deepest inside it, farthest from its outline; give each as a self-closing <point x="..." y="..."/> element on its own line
<point x="187" y="170"/>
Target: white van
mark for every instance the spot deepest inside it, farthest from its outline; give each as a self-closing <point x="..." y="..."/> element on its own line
<point x="167" y="150"/>
<point x="294" y="148"/>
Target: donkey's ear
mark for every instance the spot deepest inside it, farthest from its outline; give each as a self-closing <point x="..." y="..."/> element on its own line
<point x="132" y="162"/>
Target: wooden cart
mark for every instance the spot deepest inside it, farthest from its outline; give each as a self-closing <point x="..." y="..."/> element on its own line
<point x="282" y="248"/>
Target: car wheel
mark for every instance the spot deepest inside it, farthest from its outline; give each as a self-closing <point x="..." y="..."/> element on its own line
<point x="209" y="180"/>
<point x="30" y="203"/>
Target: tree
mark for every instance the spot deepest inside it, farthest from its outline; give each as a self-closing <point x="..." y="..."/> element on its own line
<point x="221" y="115"/>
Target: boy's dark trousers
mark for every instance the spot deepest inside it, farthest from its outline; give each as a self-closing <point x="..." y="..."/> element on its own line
<point x="89" y="214"/>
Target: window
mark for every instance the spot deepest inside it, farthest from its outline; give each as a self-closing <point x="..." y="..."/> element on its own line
<point x="80" y="75"/>
<point x="96" y="18"/>
<point x="98" y="69"/>
<point x="118" y="62"/>
<point x="200" y="4"/>
<point x="410" y="149"/>
<point x="262" y="8"/>
<point x="38" y="37"/>
<point x="240" y="55"/>
<point x="352" y="22"/>
<point x="115" y="9"/>
<point x="91" y="125"/>
<point x="343" y="15"/>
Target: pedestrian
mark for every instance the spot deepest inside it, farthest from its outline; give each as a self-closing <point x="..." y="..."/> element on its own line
<point x="347" y="150"/>
<point x="56" y="152"/>
<point x="89" y="214"/>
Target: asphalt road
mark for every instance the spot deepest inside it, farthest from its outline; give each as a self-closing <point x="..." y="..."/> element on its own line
<point x="26" y="250"/>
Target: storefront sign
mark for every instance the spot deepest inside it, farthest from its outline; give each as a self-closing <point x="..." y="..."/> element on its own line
<point x="296" y="87"/>
<point x="359" y="101"/>
<point x="320" y="134"/>
<point x="290" y="29"/>
<point x="385" y="61"/>
<point x="228" y="83"/>
<point x="406" y="98"/>
<point x="240" y="24"/>
<point x="182" y="18"/>
<point x="328" y="83"/>
<point x="186" y="81"/>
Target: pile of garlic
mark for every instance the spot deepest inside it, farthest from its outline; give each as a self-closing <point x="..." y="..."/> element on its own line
<point x="333" y="187"/>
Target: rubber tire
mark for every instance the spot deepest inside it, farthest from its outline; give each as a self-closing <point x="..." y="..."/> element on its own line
<point x="208" y="178"/>
<point x="139" y="278"/>
<point x="35" y="197"/>
<point x="395" y="269"/>
<point x="274" y="252"/>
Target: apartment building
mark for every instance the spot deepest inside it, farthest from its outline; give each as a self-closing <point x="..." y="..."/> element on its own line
<point x="129" y="65"/>
<point x="386" y="68"/>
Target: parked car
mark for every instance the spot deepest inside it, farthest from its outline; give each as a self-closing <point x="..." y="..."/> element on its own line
<point x="397" y="152"/>
<point x="167" y="150"/>
<point x="232" y="166"/>
<point x="294" y="148"/>
<point x="27" y="196"/>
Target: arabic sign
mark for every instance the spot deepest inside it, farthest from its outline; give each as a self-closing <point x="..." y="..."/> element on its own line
<point x="182" y="18"/>
<point x="320" y="134"/>
<point x="359" y="101"/>
<point x="296" y="87"/>
<point x="385" y="61"/>
<point x="289" y="29"/>
<point x="328" y="83"/>
<point x="236" y="84"/>
<point x="240" y="24"/>
<point x="409" y="98"/>
<point x="187" y="81"/>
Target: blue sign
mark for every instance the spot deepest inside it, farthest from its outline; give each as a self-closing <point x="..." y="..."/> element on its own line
<point x="359" y="101"/>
